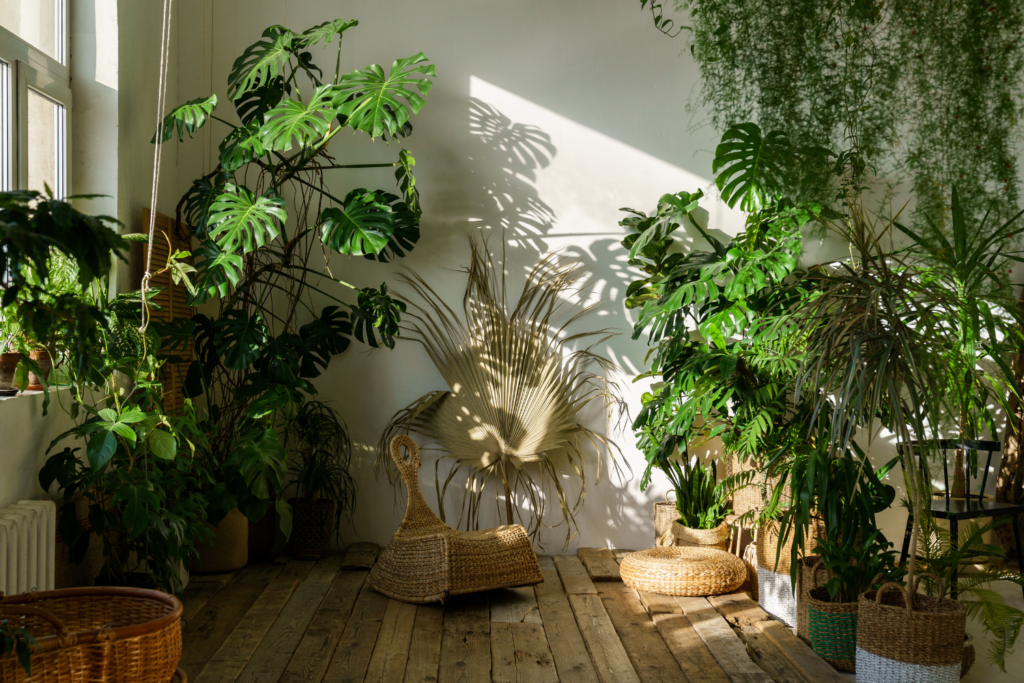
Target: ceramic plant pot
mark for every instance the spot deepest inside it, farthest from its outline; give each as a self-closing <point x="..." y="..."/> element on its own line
<point x="45" y="363"/>
<point x="228" y="550"/>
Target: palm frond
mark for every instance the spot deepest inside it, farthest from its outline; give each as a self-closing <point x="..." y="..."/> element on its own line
<point x="516" y="389"/>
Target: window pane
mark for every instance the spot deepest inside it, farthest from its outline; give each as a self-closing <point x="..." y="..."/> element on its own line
<point x="37" y="22"/>
<point x="46" y="166"/>
<point x="6" y="155"/>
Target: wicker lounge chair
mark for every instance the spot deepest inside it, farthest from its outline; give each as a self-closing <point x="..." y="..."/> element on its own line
<point x="427" y="560"/>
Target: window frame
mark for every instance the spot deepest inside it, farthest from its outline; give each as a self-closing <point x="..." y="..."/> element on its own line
<point x="29" y="68"/>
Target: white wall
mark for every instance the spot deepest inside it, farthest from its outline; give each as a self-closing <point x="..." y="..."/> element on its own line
<point x="545" y="119"/>
<point x="26" y="434"/>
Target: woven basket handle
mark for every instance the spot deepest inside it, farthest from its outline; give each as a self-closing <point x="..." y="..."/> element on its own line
<point x="65" y="638"/>
<point x="907" y="599"/>
<point x="942" y="586"/>
<point x="409" y="467"/>
<point x="818" y="565"/>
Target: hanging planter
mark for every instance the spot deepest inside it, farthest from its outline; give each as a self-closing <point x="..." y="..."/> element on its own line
<point x="906" y="637"/>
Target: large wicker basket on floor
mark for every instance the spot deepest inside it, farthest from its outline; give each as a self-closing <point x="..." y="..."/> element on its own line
<point x="683" y="570"/>
<point x="96" y="635"/>
<point x="427" y="560"/>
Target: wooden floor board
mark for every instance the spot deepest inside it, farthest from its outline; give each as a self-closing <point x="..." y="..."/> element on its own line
<point x="568" y="650"/>
<point x="425" y="649"/>
<point x="240" y="647"/>
<point x="520" y="654"/>
<point x="352" y="656"/>
<point x="647" y="651"/>
<point x="600" y="564"/>
<point x="723" y="642"/>
<point x="799" y="653"/>
<point x="514" y="606"/>
<point x="268" y="664"/>
<point x="466" y="640"/>
<point x="610" y="659"/>
<point x="197" y="596"/>
<point x="738" y="609"/>
<point x="692" y="655"/>
<point x="574" y="575"/>
<point x="361" y="556"/>
<point x="207" y="630"/>
<point x="391" y="653"/>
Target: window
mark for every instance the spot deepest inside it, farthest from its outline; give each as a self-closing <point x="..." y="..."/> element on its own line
<point x="35" y="96"/>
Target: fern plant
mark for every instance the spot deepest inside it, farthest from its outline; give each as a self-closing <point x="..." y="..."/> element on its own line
<point x="260" y="218"/>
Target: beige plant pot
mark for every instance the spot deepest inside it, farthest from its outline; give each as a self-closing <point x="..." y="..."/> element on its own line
<point x="228" y="550"/>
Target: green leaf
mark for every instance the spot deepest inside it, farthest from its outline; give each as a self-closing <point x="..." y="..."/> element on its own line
<point x="407" y="182"/>
<point x="140" y="502"/>
<point x="163" y="444"/>
<point x="188" y="118"/>
<point x="284" y="516"/>
<point x="325" y="32"/>
<point x="405" y="235"/>
<point x="261" y="98"/>
<point x="303" y="123"/>
<point x="100" y="449"/>
<point x="263" y="463"/>
<point x="751" y="169"/>
<point x="198" y="200"/>
<point x="240" y="221"/>
<point x="363" y="224"/>
<point x="240" y="338"/>
<point x="261" y="62"/>
<point x="241" y="146"/>
<point x="375" y="103"/>
<point x="216" y="272"/>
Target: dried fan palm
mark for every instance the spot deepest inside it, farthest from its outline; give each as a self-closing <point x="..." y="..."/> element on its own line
<point x="515" y="389"/>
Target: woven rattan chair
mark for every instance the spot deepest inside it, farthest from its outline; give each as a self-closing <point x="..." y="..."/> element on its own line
<point x="427" y="560"/>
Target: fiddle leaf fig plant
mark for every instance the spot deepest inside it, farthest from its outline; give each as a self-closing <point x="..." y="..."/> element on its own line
<point x="258" y="222"/>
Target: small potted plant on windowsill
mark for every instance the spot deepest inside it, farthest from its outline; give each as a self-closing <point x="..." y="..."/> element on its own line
<point x="324" y="489"/>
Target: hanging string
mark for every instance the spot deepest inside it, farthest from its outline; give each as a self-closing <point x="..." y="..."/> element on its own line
<point x="165" y="44"/>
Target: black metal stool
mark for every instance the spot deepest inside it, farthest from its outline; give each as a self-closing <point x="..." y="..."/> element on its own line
<point x="973" y="506"/>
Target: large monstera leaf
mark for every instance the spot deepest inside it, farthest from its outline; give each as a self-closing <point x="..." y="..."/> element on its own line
<point x="377" y="313"/>
<point x="376" y="103"/>
<point x="302" y="123"/>
<point x="751" y="169"/>
<point x="263" y="96"/>
<point x="326" y="31"/>
<point x="188" y="118"/>
<point x="362" y="225"/>
<point x="240" y="338"/>
<point x="405" y="235"/>
<point x="261" y="62"/>
<point x="324" y="337"/>
<point x="198" y="200"/>
<point x="216" y="272"/>
<point x="240" y="221"/>
<point x="240" y="147"/>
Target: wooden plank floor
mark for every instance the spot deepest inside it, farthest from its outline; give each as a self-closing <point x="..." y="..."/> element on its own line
<point x="303" y="622"/>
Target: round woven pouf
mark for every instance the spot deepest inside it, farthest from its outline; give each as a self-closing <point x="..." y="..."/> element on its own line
<point x="683" y="570"/>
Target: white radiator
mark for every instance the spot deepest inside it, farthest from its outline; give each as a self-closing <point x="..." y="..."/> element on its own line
<point x="28" y="538"/>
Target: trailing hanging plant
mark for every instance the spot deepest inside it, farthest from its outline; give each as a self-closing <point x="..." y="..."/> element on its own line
<point x="926" y="88"/>
<point x="511" y="414"/>
<point x="259" y="219"/>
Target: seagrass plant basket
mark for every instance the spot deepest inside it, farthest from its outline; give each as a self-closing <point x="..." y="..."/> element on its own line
<point x="805" y="583"/>
<point x="831" y="626"/>
<point x="905" y="637"/>
<point x="96" y="635"/>
<point x="716" y="539"/>
<point x="775" y="592"/>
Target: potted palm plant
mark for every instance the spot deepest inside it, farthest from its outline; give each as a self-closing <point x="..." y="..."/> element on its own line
<point x="324" y="490"/>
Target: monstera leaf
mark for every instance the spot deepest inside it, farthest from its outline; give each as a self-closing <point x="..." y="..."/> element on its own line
<point x="324" y="337"/>
<point x="240" y="147"/>
<point x="188" y="118"/>
<point x="261" y="62"/>
<point x="407" y="181"/>
<point x="405" y="235"/>
<point x="375" y="103"/>
<point x="672" y="208"/>
<point x="198" y="200"/>
<point x="751" y="169"/>
<point x="296" y="121"/>
<point x="362" y="225"/>
<point x="216" y="272"/>
<point x="241" y="221"/>
<point x="326" y="31"/>
<point x="240" y="338"/>
<point x="377" y="313"/>
<point x="261" y="98"/>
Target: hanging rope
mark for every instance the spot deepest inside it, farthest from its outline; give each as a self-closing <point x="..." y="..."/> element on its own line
<point x="165" y="44"/>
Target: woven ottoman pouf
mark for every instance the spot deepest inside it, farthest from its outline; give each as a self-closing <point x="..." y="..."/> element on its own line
<point x="683" y="570"/>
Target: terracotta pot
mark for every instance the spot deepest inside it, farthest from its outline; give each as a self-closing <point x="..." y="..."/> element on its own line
<point x="8" y="364"/>
<point x="228" y="550"/>
<point x="45" y="363"/>
<point x="312" y="527"/>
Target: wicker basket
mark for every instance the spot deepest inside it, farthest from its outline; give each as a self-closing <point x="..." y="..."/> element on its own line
<point x="427" y="560"/>
<point x="665" y="513"/>
<point x="312" y="527"/>
<point x="833" y="629"/>
<point x="686" y="571"/>
<point x="179" y="677"/>
<point x="774" y="585"/>
<point x="807" y="580"/>
<point x="96" y="635"/>
<point x="969" y="656"/>
<point x="684" y="536"/>
<point x="904" y="636"/>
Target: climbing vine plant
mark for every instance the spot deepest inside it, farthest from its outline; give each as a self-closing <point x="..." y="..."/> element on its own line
<point x="924" y="91"/>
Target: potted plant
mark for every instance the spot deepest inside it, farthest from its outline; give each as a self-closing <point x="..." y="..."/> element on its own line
<point x="318" y="470"/>
<point x="10" y="328"/>
<point x="255" y="358"/>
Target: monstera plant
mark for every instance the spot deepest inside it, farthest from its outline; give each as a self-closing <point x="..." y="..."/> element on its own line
<point x="259" y="219"/>
<point x="511" y="415"/>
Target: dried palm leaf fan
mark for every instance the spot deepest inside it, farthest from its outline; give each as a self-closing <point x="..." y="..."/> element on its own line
<point x="516" y="389"/>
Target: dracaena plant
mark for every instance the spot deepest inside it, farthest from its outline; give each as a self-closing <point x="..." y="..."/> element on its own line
<point x="261" y="218"/>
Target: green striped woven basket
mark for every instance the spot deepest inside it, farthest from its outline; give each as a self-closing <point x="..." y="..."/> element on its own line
<point x="833" y="629"/>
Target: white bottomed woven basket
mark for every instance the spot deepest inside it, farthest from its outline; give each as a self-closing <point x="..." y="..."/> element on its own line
<point x="872" y="668"/>
<point x="775" y="596"/>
